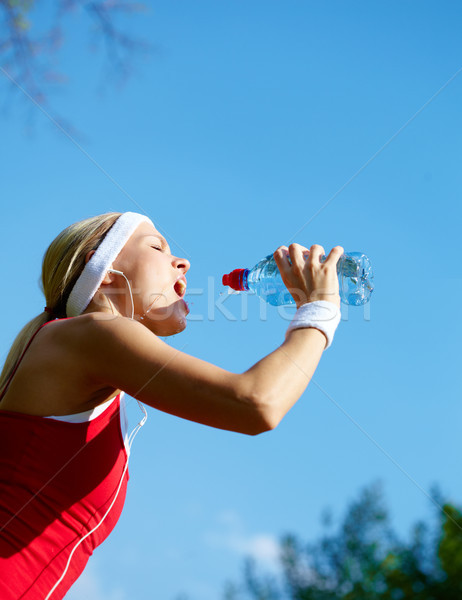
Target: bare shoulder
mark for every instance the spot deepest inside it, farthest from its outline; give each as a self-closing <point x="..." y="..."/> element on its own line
<point x="95" y="338"/>
<point x="87" y="331"/>
<point x="99" y="332"/>
<point x="56" y="374"/>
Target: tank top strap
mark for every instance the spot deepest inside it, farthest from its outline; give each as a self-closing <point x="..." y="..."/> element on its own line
<point x="13" y="372"/>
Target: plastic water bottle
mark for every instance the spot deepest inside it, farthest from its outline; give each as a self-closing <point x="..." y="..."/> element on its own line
<point x="353" y="268"/>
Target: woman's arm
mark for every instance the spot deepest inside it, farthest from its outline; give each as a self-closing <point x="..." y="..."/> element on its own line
<point x="123" y="354"/>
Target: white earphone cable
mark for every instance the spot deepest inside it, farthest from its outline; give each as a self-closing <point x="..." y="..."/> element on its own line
<point x="129" y="289"/>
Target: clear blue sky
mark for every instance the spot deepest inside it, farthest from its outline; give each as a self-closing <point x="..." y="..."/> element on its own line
<point x="247" y="120"/>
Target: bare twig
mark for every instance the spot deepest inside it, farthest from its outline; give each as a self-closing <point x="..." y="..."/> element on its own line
<point x="29" y="58"/>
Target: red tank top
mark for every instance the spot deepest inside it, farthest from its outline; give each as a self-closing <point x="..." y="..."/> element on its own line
<point x="57" y="481"/>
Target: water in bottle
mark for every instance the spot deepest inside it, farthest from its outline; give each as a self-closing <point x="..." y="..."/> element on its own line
<point x="353" y="268"/>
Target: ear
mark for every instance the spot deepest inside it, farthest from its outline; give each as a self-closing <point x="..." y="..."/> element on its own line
<point x="109" y="277"/>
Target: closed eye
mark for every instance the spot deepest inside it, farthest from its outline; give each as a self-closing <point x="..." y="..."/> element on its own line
<point x="157" y="248"/>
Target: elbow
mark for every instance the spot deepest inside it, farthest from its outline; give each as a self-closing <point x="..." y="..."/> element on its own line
<point x="265" y="416"/>
<point x="260" y="411"/>
<point x="262" y="426"/>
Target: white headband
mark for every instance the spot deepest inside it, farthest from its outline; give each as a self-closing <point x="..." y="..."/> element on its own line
<point x="96" y="268"/>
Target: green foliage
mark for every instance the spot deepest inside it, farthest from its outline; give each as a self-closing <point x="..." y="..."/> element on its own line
<point x="364" y="560"/>
<point x="450" y="551"/>
<point x="18" y="10"/>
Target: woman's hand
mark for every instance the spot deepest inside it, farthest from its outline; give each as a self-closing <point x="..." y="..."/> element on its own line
<point x="305" y="276"/>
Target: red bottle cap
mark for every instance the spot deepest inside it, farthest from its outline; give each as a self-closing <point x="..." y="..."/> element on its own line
<point x="235" y="280"/>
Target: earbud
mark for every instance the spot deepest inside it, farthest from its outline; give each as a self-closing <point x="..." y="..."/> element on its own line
<point x="129" y="289"/>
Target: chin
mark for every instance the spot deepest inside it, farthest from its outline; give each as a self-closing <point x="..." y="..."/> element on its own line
<point x="170" y="328"/>
<point x="181" y="326"/>
<point x="168" y="321"/>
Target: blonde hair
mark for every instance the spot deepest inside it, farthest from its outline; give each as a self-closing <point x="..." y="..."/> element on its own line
<point x="62" y="264"/>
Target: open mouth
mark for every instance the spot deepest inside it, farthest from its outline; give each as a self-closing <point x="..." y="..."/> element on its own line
<point x="180" y="287"/>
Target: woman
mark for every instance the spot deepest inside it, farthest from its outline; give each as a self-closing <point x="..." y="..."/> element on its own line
<point x="112" y="288"/>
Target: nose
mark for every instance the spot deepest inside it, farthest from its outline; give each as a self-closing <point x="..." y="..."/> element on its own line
<point x="182" y="263"/>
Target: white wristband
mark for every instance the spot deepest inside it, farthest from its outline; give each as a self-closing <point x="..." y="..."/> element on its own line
<point x="321" y="315"/>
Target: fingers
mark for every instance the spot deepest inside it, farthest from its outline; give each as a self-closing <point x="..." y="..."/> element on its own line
<point x="297" y="257"/>
<point x="292" y="254"/>
<point x="281" y="254"/>
<point x="316" y="253"/>
<point x="306" y="275"/>
<point x="335" y="254"/>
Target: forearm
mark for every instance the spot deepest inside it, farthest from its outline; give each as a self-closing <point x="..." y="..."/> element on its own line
<point x="279" y="379"/>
